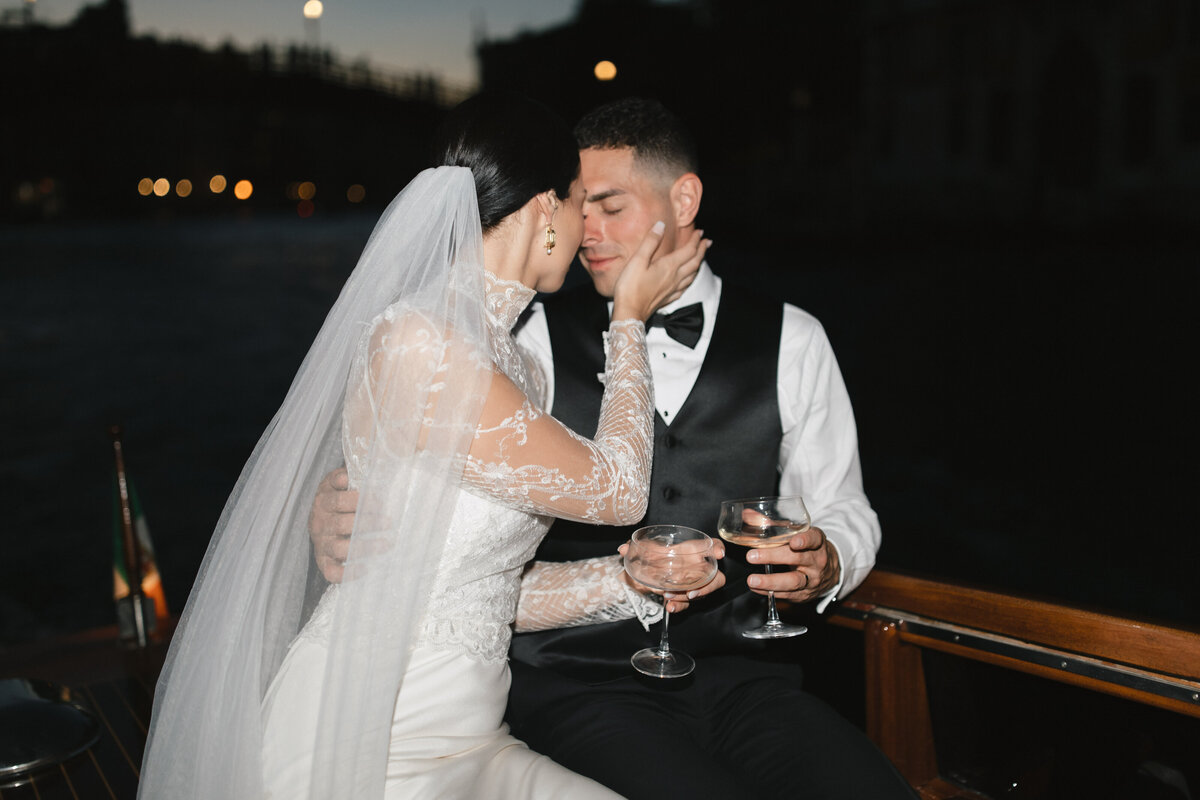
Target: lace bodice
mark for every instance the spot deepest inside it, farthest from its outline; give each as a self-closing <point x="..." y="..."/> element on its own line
<point x="524" y="468"/>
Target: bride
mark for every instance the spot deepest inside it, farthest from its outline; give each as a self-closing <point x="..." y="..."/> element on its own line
<point x="395" y="684"/>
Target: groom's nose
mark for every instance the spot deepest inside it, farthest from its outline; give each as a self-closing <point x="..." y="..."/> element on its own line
<point x="593" y="230"/>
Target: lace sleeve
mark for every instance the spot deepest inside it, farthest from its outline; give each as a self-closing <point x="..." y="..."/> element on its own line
<point x="572" y="593"/>
<point x="397" y="379"/>
<point x="526" y="459"/>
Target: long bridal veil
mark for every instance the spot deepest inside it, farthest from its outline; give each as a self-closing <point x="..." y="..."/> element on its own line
<point x="407" y="336"/>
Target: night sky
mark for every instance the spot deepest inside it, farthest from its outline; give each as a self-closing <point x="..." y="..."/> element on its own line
<point x="426" y="35"/>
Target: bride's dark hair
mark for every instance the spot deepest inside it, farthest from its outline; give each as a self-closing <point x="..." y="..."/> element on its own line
<point x="514" y="146"/>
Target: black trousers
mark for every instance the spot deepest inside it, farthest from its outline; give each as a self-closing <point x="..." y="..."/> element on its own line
<point x="734" y="728"/>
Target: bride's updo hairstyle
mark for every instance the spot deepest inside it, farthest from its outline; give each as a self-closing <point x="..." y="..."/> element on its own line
<point x="515" y="148"/>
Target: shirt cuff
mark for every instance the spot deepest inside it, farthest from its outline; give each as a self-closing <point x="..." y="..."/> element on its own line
<point x="832" y="595"/>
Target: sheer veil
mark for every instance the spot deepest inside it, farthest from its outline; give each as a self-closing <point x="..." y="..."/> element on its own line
<point x="405" y="345"/>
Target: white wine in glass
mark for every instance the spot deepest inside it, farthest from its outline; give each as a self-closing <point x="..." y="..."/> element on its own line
<point x="765" y="522"/>
<point x="669" y="558"/>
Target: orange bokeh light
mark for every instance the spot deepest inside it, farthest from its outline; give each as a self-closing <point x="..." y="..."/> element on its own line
<point x="605" y="70"/>
<point x="243" y="189"/>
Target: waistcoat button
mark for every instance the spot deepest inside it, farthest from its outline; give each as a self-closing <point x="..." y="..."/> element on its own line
<point x="670" y="492"/>
<point x="668" y="441"/>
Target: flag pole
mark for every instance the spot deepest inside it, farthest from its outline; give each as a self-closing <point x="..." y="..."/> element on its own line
<point x="132" y="548"/>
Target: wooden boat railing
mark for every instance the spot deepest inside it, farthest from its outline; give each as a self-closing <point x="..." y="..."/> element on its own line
<point x="902" y="617"/>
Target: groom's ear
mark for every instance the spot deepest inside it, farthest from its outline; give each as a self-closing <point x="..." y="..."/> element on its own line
<point x="685" y="198"/>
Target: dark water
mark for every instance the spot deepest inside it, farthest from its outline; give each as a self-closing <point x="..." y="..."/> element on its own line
<point x="188" y="334"/>
<point x="1024" y="410"/>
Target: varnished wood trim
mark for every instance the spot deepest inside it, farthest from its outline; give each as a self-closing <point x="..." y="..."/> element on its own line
<point x="1172" y="650"/>
<point x="898" y="718"/>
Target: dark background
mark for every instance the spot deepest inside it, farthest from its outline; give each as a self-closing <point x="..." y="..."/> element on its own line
<point x="991" y="207"/>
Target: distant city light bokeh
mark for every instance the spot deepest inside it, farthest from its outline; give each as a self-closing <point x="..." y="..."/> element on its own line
<point x="313" y="9"/>
<point x="302" y="192"/>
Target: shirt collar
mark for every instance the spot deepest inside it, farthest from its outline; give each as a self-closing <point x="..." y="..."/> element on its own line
<point x="705" y="289"/>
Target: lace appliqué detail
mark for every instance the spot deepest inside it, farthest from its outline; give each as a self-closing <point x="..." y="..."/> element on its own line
<point x="478" y="580"/>
<point x="608" y="479"/>
<point x="573" y="593"/>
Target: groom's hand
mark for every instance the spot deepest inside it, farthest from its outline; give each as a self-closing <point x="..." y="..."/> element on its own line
<point x="815" y="567"/>
<point x="330" y="523"/>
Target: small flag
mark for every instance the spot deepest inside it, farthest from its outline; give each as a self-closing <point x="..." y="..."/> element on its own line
<point x="151" y="581"/>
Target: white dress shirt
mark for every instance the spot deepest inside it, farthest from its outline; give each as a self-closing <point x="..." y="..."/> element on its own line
<point x="818" y="457"/>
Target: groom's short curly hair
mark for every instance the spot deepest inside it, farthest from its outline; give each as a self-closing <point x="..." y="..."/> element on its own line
<point x="658" y="138"/>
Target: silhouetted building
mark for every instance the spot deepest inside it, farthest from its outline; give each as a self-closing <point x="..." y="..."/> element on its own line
<point x="106" y="20"/>
<point x="1062" y="112"/>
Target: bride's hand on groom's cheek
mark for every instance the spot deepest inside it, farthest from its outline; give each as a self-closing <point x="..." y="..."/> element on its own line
<point x="651" y="280"/>
<point x="330" y="523"/>
<point x="680" y="602"/>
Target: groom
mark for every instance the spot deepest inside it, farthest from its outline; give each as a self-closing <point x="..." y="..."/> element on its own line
<point x="750" y="402"/>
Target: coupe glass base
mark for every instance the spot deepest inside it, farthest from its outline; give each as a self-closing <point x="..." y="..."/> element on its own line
<point x="778" y="630"/>
<point x="656" y="664"/>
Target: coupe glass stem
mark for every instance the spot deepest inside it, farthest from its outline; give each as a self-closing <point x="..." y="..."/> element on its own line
<point x="664" y="647"/>
<point x="772" y="615"/>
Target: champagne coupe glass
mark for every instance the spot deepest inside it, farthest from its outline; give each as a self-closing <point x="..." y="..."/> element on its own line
<point x="765" y="522"/>
<point x="670" y="558"/>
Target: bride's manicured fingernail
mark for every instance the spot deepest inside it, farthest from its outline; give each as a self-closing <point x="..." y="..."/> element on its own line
<point x="693" y="594"/>
<point x="659" y="226"/>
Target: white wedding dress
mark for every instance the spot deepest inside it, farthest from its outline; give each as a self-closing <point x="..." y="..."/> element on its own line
<point x="448" y="738"/>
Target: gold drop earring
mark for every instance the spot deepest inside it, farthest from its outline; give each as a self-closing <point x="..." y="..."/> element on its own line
<point x="551" y="236"/>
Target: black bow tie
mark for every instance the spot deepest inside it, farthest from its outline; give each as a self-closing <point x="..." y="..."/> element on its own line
<point x="684" y="325"/>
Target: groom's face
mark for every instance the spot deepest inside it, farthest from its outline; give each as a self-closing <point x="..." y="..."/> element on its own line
<point x="622" y="202"/>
